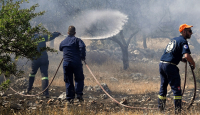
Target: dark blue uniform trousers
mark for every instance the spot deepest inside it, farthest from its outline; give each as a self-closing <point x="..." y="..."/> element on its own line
<point x="71" y="69"/>
<point x="43" y="64"/>
<point x="169" y="74"/>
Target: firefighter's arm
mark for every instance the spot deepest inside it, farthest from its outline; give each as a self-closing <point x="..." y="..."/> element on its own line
<point x="60" y="47"/>
<point x="189" y="58"/>
<point x="53" y="36"/>
<point x="82" y="50"/>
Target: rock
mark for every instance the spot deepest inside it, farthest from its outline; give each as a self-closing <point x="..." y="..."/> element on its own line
<point x="136" y="52"/>
<point x="4" y="97"/>
<point x="21" y="83"/>
<point x="50" y="101"/>
<point x="131" y="75"/>
<point x="148" y="99"/>
<point x="88" y="88"/>
<point x="33" y="108"/>
<point x="103" y="96"/>
<point x="5" y="103"/>
<point x="145" y="59"/>
<point x="92" y="102"/>
<point x="102" y="52"/>
<point x="112" y="79"/>
<point x="1" y="93"/>
<point x="97" y="88"/>
<point x="31" y="104"/>
<point x="58" y="102"/>
<point x="124" y="101"/>
<point x="51" y="89"/>
<point x="138" y="75"/>
<point x="9" y="95"/>
<point x="16" y="106"/>
<point x="155" y="78"/>
<point x="54" y="97"/>
<point x="90" y="97"/>
<point x="21" y="101"/>
<point x="40" y="102"/>
<point x="62" y="96"/>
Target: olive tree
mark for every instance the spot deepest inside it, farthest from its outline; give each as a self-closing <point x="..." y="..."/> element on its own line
<point x="16" y="35"/>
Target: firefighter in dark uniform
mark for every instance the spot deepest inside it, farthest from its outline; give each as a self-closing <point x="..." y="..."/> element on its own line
<point x="42" y="62"/>
<point x="177" y="50"/>
<point x="73" y="53"/>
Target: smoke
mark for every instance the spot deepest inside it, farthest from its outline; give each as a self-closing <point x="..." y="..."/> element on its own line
<point x="90" y="24"/>
<point x="94" y="22"/>
<point x="99" y="24"/>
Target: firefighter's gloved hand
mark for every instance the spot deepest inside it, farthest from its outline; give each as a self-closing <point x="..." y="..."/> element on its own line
<point x="192" y="67"/>
<point x="58" y="32"/>
<point x="184" y="60"/>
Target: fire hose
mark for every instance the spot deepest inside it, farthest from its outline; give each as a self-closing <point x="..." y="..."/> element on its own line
<point x="192" y="101"/>
<point x="41" y="91"/>
<point x="195" y="87"/>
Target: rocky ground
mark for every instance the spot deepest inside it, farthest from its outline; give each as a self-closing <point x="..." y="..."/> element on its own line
<point x="94" y="99"/>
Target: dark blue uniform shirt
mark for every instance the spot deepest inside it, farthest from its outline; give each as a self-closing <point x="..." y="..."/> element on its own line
<point x="73" y="49"/>
<point x="175" y="50"/>
<point x="42" y="43"/>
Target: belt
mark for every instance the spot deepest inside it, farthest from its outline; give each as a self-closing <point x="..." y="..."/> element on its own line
<point x="167" y="62"/>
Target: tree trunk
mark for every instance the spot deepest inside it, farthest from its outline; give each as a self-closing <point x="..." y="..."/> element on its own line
<point x="125" y="58"/>
<point x="144" y="42"/>
<point x="120" y="40"/>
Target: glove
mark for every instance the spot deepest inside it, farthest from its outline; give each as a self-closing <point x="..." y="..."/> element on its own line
<point x="192" y="67"/>
<point x="184" y="60"/>
<point x="58" y="32"/>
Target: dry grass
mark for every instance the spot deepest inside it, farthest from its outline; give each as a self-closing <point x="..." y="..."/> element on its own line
<point x="104" y="72"/>
<point x="114" y="69"/>
<point x="125" y="84"/>
<point x="155" y="43"/>
<point x="111" y="68"/>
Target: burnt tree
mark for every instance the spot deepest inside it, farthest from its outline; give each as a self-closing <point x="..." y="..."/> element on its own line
<point x="121" y="41"/>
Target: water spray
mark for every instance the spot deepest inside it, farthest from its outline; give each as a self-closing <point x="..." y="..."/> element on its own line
<point x="98" y="24"/>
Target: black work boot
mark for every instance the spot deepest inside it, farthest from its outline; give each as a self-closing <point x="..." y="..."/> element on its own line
<point x="70" y="102"/>
<point x="161" y="104"/>
<point x="177" y="103"/>
<point x="45" y="96"/>
<point x="80" y="99"/>
<point x="45" y="83"/>
<point x="27" y="92"/>
<point x="30" y="84"/>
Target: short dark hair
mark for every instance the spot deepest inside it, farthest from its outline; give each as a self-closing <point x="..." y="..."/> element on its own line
<point x="71" y="30"/>
<point x="186" y="29"/>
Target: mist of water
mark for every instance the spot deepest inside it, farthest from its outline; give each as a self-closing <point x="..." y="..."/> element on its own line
<point x="99" y="24"/>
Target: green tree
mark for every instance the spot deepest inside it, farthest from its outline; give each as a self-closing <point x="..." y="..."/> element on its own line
<point x="16" y="35"/>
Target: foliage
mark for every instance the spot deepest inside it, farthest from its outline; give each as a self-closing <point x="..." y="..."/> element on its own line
<point x="4" y="85"/>
<point x="16" y="35"/>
